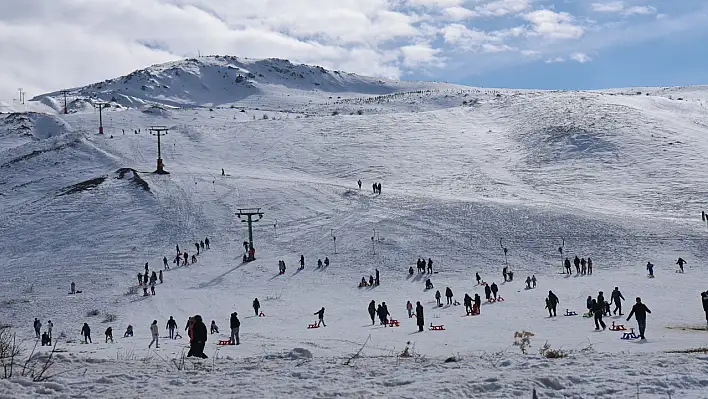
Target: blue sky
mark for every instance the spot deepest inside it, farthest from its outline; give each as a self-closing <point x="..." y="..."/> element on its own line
<point x="551" y="44"/>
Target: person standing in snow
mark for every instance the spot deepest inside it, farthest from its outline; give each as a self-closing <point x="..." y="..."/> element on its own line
<point x="86" y="333"/>
<point x="479" y="279"/>
<point x="377" y="277"/>
<point x="487" y="292"/>
<point x="214" y="328"/>
<point x="235" y="325"/>
<point x="552" y="304"/>
<point x="576" y="262"/>
<point x="467" y="301"/>
<point x="495" y="290"/>
<point x="152" y="288"/>
<point x="196" y="244"/>
<point x="159" y="276"/>
<point x="199" y="338"/>
<point x="319" y="263"/>
<point x="430" y="266"/>
<point x="326" y="262"/>
<point x="583" y="266"/>
<point x="378" y="188"/>
<point x="704" y="300"/>
<point x="384" y="314"/>
<point x="320" y="317"/>
<point x="178" y="251"/>
<point x="109" y="334"/>
<point x="73" y="287"/>
<point x="155" y="332"/>
<point x="650" y="268"/>
<point x="448" y="295"/>
<point x="533" y="281"/>
<point x="185" y="255"/>
<point x="50" y="326"/>
<point x="419" y="316"/>
<point x="640" y="310"/>
<point x="504" y="272"/>
<point x="597" y="309"/>
<point x="566" y="263"/>
<point x="477" y="303"/>
<point x="528" y="282"/>
<point x="37" y="327"/>
<point x="409" y="308"/>
<point x="437" y="298"/>
<point x="256" y="306"/>
<point x="146" y="268"/>
<point x="302" y="261"/>
<point x="164" y="263"/>
<point x="372" y="311"/>
<point x="171" y="326"/>
<point x="373" y="186"/>
<point x="128" y="331"/>
<point x="359" y="183"/>
<point x="201" y="244"/>
<point x="617" y="298"/>
<point x="206" y="242"/>
<point x="589" y="266"/>
<point x="145" y="279"/>
<point x="140" y="279"/>
<point x="680" y="262"/>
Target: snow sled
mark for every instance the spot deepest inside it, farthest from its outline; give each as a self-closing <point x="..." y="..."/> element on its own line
<point x="617" y="327"/>
<point x="441" y="327"/>
<point x="393" y="323"/>
<point x="315" y="325"/>
<point x="261" y="314"/>
<point x="570" y="313"/>
<point x="75" y="292"/>
<point x="629" y="335"/>
<point x="224" y="342"/>
<point x="588" y="314"/>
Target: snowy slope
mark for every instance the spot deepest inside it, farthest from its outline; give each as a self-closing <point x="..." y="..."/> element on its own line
<point x="617" y="177"/>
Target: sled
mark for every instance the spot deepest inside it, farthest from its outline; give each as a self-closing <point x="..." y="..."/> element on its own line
<point x="588" y="314"/>
<point x="261" y="314"/>
<point x="617" y="327"/>
<point x="224" y="342"/>
<point x="393" y="323"/>
<point x="570" y="313"/>
<point x="315" y="325"/>
<point x="629" y="335"/>
<point x="441" y="327"/>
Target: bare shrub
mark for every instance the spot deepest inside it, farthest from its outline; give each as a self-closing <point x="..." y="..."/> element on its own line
<point x="522" y="339"/>
<point x="94" y="312"/>
<point x="550" y="353"/>
<point x="109" y="318"/>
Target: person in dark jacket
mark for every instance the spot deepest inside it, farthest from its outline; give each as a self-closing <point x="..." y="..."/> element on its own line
<point x="566" y="263"/>
<point x="704" y="299"/>
<point x="429" y="284"/>
<point x="601" y="301"/>
<point x="478" y="303"/>
<point x="419" y="316"/>
<point x="448" y="295"/>
<point x="552" y="303"/>
<point x="680" y="262"/>
<point x="583" y="267"/>
<point x="377" y="277"/>
<point x="235" y="325"/>
<point x="640" y="310"/>
<point x="171" y="326"/>
<point x="437" y="297"/>
<point x="384" y="314"/>
<point x="256" y="306"/>
<point x="495" y="290"/>
<point x="109" y="334"/>
<point x="589" y="266"/>
<point x="320" y="317"/>
<point x="487" y="292"/>
<point x="576" y="262"/>
<point x="206" y="242"/>
<point x="164" y="262"/>
<point x="86" y="333"/>
<point x="479" y="279"/>
<point x="588" y="303"/>
<point x="199" y="338"/>
<point x="372" y="311"/>
<point x="617" y="299"/>
<point x="430" y="266"/>
<point x="468" y="304"/>
<point x="597" y="309"/>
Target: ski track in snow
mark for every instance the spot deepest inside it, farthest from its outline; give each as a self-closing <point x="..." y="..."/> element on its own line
<point x="619" y="177"/>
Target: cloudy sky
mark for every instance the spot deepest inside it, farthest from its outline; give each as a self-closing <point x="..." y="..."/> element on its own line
<point x="48" y="45"/>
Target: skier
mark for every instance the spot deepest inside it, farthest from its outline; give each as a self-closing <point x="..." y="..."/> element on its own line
<point x="199" y="337"/>
<point x="206" y="243"/>
<point x="419" y="316"/>
<point x="553" y="302"/>
<point x="409" y="308"/>
<point x="164" y="262"/>
<point x="681" y="262"/>
<point x="448" y="295"/>
<point x="704" y="300"/>
<point x="196" y="244"/>
<point x="477" y="303"/>
<point x="256" y="306"/>
<point x="650" y="267"/>
<point x="140" y="279"/>
<point x="583" y="266"/>
<point x="50" y="326"/>
<point x="128" y="331"/>
<point x="576" y="262"/>
<point x="528" y="282"/>
<point x="640" y="310"/>
<point x="589" y="266"/>
<point x="159" y="276"/>
<point x="437" y="298"/>
<point x="479" y="279"/>
<point x="487" y="292"/>
<point x="302" y="262"/>
<point x="37" y="327"/>
<point x="359" y="183"/>
<point x="235" y="325"/>
<point x="155" y="333"/>
<point x="377" y="277"/>
<point x="597" y="309"/>
<point x="495" y="290"/>
<point x="109" y="334"/>
<point x="372" y="311"/>
<point x="86" y="333"/>
<point x="566" y="263"/>
<point x="320" y="317"/>
<point x="213" y="328"/>
<point x="430" y="266"/>
<point x="533" y="281"/>
<point x="326" y="262"/>
<point x="468" y="304"/>
<point x="617" y="298"/>
<point x="171" y="326"/>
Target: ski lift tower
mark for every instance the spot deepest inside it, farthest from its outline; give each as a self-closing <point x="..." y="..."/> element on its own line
<point x="158" y="131"/>
<point x="249" y="213"/>
<point x="101" y="105"/>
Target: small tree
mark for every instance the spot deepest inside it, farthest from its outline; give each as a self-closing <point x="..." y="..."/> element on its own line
<point x="522" y="339"/>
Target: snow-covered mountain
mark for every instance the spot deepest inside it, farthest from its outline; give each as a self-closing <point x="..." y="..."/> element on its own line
<point x="615" y="175"/>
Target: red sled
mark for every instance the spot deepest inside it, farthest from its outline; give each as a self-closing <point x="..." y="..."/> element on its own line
<point x="313" y="325"/>
<point x="224" y="342"/>
<point x="261" y="314"/>
<point x="437" y="328"/>
<point x="393" y="323"/>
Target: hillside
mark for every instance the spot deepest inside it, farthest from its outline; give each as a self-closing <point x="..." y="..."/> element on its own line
<point x="465" y="172"/>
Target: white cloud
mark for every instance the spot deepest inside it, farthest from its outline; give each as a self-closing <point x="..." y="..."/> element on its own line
<point x="611" y="7"/>
<point x="580" y="57"/>
<point x="465" y="38"/>
<point x="458" y="13"/>
<point x="553" y="25"/>
<point x="496" y="48"/>
<point x="420" y="55"/>
<point x="500" y="8"/>
<point x="640" y="10"/>
<point x="555" y="60"/>
<point x="530" y="53"/>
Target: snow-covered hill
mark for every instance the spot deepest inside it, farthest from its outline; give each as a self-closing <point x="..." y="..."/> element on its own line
<point x="465" y="172"/>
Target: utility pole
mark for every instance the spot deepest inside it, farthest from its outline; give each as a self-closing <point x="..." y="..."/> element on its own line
<point x="275" y="227"/>
<point x="249" y="213"/>
<point x="22" y="95"/>
<point x="560" y="251"/>
<point x="158" y="131"/>
<point x="101" y="105"/>
<point x="501" y="244"/>
<point x="66" y="109"/>
<point x="334" y="239"/>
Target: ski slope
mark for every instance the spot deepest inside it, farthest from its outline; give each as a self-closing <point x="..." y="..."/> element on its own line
<point x="608" y="174"/>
